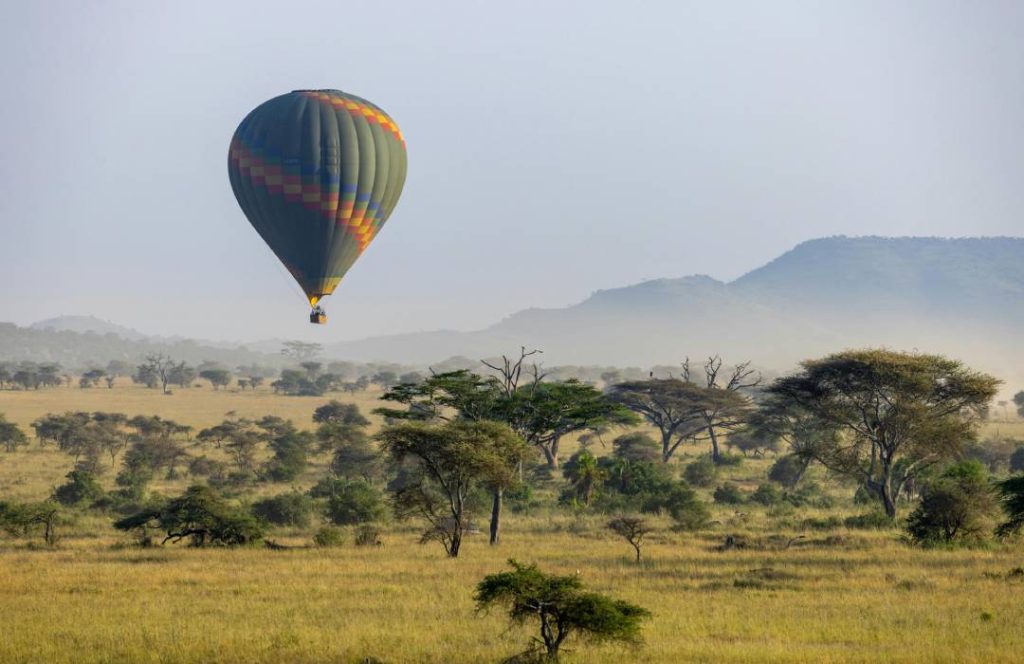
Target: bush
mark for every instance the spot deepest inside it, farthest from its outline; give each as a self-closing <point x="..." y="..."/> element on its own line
<point x="329" y="536"/>
<point x="864" y="496"/>
<point x="1011" y="494"/>
<point x="729" y="494"/>
<point x="994" y="453"/>
<point x="289" y="456"/>
<point x="826" y="523"/>
<point x="355" y="502"/>
<point x="809" y="495"/>
<point x="1017" y="460"/>
<point x="730" y="460"/>
<point x="767" y="494"/>
<point x="368" y="535"/>
<point x="201" y="516"/>
<point x="958" y="505"/>
<point x="788" y="470"/>
<point x="80" y="489"/>
<point x="203" y="466"/>
<point x="636" y="446"/>
<point x="521" y="498"/>
<point x="874" y="520"/>
<point x="701" y="472"/>
<point x="633" y="478"/>
<point x="287" y="509"/>
<point x="682" y="504"/>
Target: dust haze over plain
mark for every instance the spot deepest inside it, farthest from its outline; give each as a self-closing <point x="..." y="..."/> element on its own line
<point x="554" y="148"/>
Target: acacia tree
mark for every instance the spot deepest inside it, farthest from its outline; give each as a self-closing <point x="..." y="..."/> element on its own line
<point x="723" y="405"/>
<point x="456" y="395"/>
<point x="632" y="529"/>
<point x="343" y="430"/>
<point x="446" y="461"/>
<point x="11" y="435"/>
<point x="896" y="413"/>
<point x="545" y="412"/>
<point x="199" y="515"/>
<point x="218" y="377"/>
<point x="158" y="366"/>
<point x="18" y="519"/>
<point x="673" y="406"/>
<point x="1011" y="493"/>
<point x="300" y="350"/>
<point x="561" y="607"/>
<point x="181" y="375"/>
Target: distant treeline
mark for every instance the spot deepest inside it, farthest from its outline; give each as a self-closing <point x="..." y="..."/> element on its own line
<point x="296" y="373"/>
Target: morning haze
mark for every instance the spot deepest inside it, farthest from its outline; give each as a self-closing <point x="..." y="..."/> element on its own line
<point x="695" y="335"/>
<point x="555" y="149"/>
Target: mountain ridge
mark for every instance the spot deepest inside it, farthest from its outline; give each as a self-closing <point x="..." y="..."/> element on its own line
<point x="961" y="296"/>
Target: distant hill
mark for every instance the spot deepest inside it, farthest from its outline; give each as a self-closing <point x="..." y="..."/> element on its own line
<point x="76" y="350"/>
<point x="959" y="296"/>
<point x="83" y="324"/>
<point x="963" y="297"/>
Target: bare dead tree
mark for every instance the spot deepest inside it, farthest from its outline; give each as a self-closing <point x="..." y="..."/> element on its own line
<point x="725" y="406"/>
<point x="511" y="370"/>
<point x="738" y="379"/>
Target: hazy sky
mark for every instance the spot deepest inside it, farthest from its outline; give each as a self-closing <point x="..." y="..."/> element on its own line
<point x="555" y="148"/>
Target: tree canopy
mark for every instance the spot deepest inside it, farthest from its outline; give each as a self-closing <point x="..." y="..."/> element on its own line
<point x="896" y="414"/>
<point x="561" y="607"/>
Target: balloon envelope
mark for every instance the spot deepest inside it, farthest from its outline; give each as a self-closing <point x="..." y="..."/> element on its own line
<point x="317" y="173"/>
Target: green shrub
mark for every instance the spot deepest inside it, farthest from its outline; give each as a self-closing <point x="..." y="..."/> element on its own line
<point x="864" y="496"/>
<point x="682" y="504"/>
<point x="561" y="607"/>
<point x="355" y="502"/>
<point x="701" y="472"/>
<point x="1011" y="495"/>
<point x="287" y="509"/>
<point x="809" y="495"/>
<point x="200" y="515"/>
<point x="732" y="460"/>
<point x="368" y="535"/>
<point x="729" y="494"/>
<point x="788" y="470"/>
<point x="636" y="446"/>
<point x="204" y="466"/>
<point x="290" y="451"/>
<point x="958" y="505"/>
<point x="1017" y="460"/>
<point x="767" y="494"/>
<point x="521" y="498"/>
<point x="80" y="489"/>
<point x="874" y="520"/>
<point x="329" y="536"/>
<point x="826" y="523"/>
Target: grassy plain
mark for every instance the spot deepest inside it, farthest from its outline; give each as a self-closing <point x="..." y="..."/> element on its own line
<point x="836" y="595"/>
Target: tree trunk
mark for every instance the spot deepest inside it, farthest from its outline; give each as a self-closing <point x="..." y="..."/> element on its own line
<point x="888" y="499"/>
<point x="716" y="452"/>
<point x="496" y="497"/>
<point x="551" y="455"/>
<point x="666" y="446"/>
<point x="453" y="549"/>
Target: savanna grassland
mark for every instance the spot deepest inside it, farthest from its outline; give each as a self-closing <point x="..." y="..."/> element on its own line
<point x="798" y="592"/>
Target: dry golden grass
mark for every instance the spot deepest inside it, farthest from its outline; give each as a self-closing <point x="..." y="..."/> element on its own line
<point x="865" y="598"/>
<point x="835" y="596"/>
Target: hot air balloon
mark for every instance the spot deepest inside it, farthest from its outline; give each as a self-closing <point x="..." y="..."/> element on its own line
<point x="317" y="173"/>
